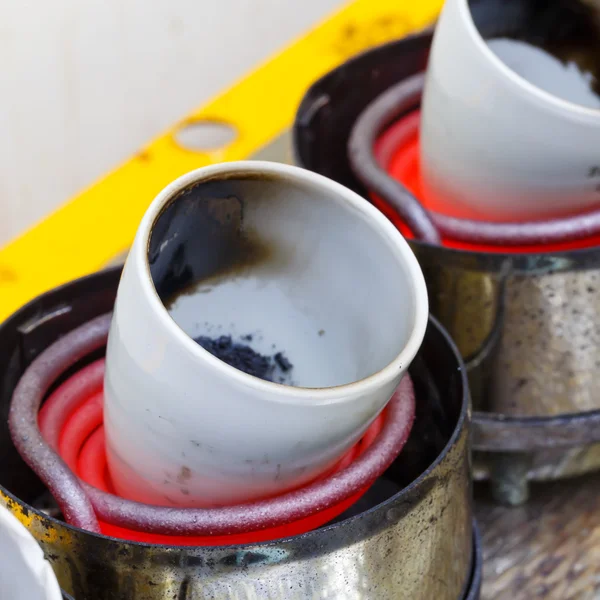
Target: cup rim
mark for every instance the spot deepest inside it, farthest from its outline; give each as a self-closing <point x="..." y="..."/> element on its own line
<point x="286" y="393"/>
<point x="554" y="102"/>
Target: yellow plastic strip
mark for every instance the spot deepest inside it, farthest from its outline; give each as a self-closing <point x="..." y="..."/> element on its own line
<point x="99" y="223"/>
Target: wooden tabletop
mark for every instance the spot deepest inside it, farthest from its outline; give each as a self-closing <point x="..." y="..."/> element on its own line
<point x="549" y="548"/>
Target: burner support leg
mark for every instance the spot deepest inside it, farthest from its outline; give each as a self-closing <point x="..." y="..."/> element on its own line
<point x="508" y="477"/>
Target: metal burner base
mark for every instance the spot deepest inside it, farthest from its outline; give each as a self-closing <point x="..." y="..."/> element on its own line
<point x="473" y="591"/>
<point x="536" y="413"/>
<point x="422" y="501"/>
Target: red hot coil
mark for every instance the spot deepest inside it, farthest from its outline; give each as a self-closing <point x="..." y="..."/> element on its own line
<point x="70" y="423"/>
<point x="398" y="150"/>
<point x="384" y="159"/>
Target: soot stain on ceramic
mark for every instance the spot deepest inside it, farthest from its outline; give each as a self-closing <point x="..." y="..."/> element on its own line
<point x="200" y="237"/>
<point x="569" y="30"/>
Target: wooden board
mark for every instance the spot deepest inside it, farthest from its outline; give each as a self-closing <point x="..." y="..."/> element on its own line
<point x="549" y="548"/>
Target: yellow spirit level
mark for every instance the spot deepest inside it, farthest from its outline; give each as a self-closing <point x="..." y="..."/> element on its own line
<point x="98" y="225"/>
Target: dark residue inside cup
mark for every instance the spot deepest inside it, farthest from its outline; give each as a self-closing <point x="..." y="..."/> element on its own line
<point x="276" y="368"/>
<point x="201" y="236"/>
<point x="569" y="30"/>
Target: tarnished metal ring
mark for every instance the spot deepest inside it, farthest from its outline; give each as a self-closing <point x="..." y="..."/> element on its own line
<point x="81" y="502"/>
<point x="494" y="432"/>
<point x="427" y="226"/>
<point x="474" y="588"/>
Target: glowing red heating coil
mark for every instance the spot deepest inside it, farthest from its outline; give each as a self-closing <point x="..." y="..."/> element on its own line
<point x="403" y="164"/>
<point x="72" y="415"/>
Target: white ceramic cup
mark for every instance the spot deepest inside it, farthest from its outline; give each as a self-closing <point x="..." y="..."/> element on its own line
<point x="24" y="572"/>
<point x="316" y="272"/>
<point x="494" y="145"/>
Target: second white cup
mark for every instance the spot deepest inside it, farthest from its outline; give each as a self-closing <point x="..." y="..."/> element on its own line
<point x="495" y="144"/>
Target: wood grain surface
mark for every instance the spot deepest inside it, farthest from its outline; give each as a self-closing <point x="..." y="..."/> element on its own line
<point x="549" y="548"/>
